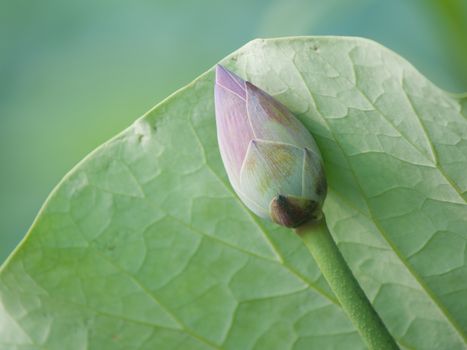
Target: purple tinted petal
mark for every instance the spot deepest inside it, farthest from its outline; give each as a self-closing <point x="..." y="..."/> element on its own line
<point x="271" y="168"/>
<point x="272" y="121"/>
<point x="233" y="129"/>
<point x="230" y="81"/>
<point x="272" y="161"/>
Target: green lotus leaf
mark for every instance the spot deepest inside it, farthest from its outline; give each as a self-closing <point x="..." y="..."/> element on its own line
<point x="144" y="245"/>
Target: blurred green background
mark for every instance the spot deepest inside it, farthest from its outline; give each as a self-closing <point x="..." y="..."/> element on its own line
<point x="74" y="73"/>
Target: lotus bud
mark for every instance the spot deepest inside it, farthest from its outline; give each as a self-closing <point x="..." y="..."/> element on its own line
<point x="272" y="161"/>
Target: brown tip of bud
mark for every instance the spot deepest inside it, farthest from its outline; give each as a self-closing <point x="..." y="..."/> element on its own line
<point x="292" y="211"/>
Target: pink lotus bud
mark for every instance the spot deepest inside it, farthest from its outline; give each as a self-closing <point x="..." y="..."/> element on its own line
<point x="272" y="161"/>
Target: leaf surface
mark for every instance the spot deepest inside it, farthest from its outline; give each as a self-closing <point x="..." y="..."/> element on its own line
<point x="144" y="245"/>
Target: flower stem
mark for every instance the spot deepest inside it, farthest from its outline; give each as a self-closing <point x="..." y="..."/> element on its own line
<point x="353" y="300"/>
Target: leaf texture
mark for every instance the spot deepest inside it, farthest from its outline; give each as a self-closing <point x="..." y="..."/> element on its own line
<point x="144" y="245"/>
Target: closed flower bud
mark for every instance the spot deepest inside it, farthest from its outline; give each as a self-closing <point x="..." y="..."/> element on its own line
<point x="272" y="161"/>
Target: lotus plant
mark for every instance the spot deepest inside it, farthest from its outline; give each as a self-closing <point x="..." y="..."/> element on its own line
<point x="275" y="167"/>
<point x="271" y="159"/>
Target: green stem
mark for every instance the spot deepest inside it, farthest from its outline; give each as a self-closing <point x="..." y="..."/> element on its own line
<point x="344" y="285"/>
